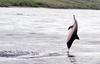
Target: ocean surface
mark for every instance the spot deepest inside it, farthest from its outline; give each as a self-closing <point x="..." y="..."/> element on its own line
<point x="39" y="36"/>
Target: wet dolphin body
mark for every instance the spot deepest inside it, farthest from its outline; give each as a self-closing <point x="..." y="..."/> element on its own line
<point x="72" y="35"/>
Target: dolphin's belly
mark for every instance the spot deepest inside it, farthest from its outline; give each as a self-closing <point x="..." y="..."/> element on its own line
<point x="70" y="33"/>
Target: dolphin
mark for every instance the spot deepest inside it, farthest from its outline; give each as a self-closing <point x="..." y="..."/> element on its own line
<point x="72" y="34"/>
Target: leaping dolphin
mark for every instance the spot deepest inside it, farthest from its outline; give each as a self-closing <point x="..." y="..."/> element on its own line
<point x="72" y="35"/>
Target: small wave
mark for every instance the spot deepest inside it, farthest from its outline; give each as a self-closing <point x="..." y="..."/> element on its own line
<point x="19" y="14"/>
<point x="54" y="54"/>
<point x="28" y="54"/>
<point x="16" y="53"/>
<point x="42" y="55"/>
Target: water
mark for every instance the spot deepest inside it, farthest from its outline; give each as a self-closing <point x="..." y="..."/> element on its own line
<point x="38" y="36"/>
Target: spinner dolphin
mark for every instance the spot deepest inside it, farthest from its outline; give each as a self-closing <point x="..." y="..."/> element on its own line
<point x="72" y="33"/>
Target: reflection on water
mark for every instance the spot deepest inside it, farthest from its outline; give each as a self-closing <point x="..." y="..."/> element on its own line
<point x="72" y="59"/>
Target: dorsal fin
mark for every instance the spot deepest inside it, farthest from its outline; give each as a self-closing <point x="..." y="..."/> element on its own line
<point x="76" y="37"/>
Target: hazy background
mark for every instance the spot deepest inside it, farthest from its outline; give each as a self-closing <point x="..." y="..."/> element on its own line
<point x="67" y="4"/>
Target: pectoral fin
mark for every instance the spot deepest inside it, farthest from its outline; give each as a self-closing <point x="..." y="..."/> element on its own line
<point x="76" y="37"/>
<point x="70" y="27"/>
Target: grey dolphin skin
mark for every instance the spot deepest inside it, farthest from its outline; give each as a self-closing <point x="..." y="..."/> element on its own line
<point x="72" y="35"/>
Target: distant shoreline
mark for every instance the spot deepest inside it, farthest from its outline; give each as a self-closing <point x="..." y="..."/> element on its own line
<point x="47" y="8"/>
<point x="56" y="4"/>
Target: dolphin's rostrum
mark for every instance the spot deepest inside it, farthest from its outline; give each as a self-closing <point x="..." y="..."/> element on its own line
<point x="72" y="35"/>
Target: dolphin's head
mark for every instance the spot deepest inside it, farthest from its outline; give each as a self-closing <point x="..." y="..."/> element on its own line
<point x="73" y="16"/>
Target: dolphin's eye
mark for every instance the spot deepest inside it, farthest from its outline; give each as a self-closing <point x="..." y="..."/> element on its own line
<point x="70" y="27"/>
